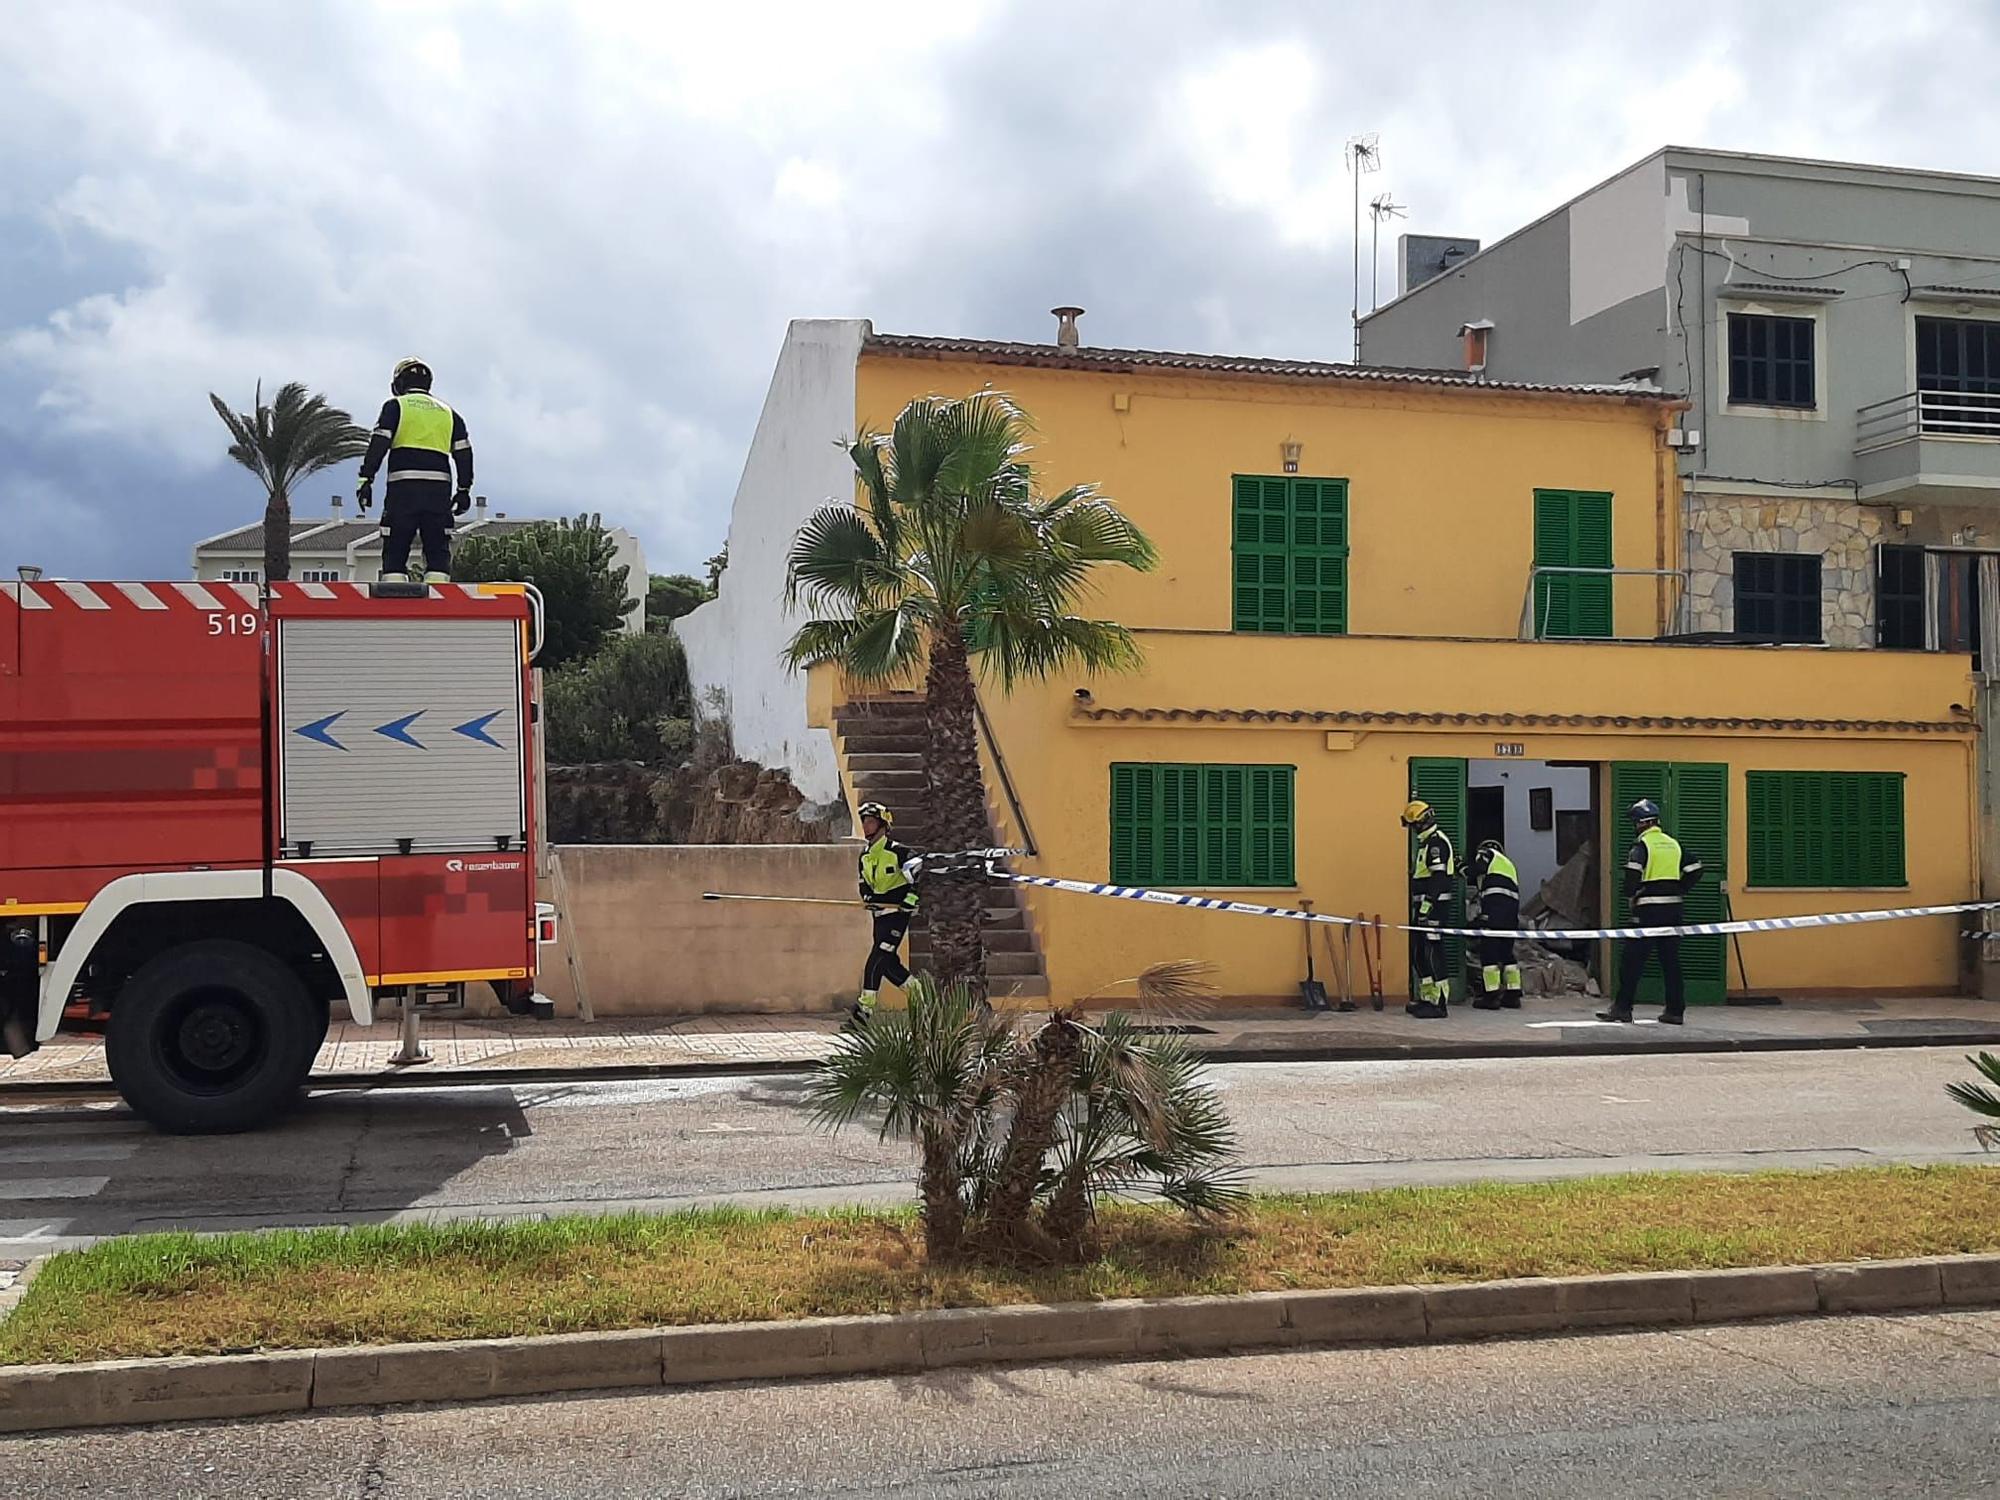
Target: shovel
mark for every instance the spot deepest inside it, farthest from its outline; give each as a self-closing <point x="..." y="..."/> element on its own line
<point x="1371" y="955"/>
<point x="1311" y="991"/>
<point x="1346" y="965"/>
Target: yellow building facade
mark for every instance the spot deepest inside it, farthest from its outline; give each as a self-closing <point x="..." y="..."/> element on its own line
<point x="1824" y="780"/>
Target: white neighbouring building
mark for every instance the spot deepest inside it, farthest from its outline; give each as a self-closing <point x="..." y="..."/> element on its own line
<point x="796" y="464"/>
<point x="338" y="548"/>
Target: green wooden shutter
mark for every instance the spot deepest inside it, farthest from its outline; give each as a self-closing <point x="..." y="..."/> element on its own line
<point x="1440" y="781"/>
<point x="1825" y="828"/>
<point x="1319" y="556"/>
<point x="1698" y="815"/>
<point x="1132" y="841"/>
<point x="1269" y="829"/>
<point x="1572" y="530"/>
<point x="1262" y="553"/>
<point x="1694" y="808"/>
<point x="1202" y="825"/>
<point x="1290" y="555"/>
<point x="1180" y="824"/>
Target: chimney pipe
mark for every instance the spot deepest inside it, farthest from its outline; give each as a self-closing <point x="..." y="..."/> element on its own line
<point x="1066" y="334"/>
<point x="336" y="507"/>
<point x="480" y="502"/>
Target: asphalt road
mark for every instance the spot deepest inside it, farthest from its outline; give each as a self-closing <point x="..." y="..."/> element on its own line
<point x="1877" y="1407"/>
<point x="526" y="1150"/>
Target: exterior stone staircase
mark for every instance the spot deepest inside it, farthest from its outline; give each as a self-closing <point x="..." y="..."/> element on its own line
<point x="882" y="745"/>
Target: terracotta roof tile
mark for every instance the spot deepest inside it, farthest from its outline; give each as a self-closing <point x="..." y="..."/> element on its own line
<point x="1087" y="358"/>
<point x="1346" y="717"/>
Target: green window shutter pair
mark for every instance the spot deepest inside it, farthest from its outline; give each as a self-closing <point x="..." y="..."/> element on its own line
<point x="1290" y="555"/>
<point x="1197" y="825"/>
<point x="1826" y="828"/>
<point x="1572" y="530"/>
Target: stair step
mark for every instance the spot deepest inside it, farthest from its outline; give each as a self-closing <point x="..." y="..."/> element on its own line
<point x="882" y="708"/>
<point x="888" y="781"/>
<point x="1013" y="963"/>
<point x="870" y="742"/>
<point x="1023" y="987"/>
<point x="996" y="939"/>
<point x="878" y="761"/>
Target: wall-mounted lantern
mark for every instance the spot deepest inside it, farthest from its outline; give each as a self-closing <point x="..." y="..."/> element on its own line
<point x="1291" y="448"/>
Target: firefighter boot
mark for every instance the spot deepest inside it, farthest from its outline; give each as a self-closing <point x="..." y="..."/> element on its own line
<point x="436" y="577"/>
<point x="395" y="578"/>
<point x="1510" y="994"/>
<point x="1489" y="988"/>
<point x="864" y="1007"/>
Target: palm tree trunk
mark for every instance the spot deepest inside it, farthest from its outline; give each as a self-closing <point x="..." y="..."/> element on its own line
<point x="955" y="798"/>
<point x="1048" y="1079"/>
<point x="943" y="1203"/>
<point x="278" y="537"/>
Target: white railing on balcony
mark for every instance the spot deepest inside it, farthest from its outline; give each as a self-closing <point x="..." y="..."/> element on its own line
<point x="1576" y="603"/>
<point x="1973" y="414"/>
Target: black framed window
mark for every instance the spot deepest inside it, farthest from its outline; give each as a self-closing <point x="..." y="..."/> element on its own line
<point x="1770" y="361"/>
<point x="1958" y="368"/>
<point x="1777" y="596"/>
<point x="1899" y="598"/>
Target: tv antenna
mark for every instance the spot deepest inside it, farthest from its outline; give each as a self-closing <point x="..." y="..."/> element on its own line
<point x="1380" y="208"/>
<point x="1364" y="154"/>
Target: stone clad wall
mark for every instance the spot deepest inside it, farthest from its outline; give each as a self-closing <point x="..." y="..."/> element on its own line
<point x="1842" y="533"/>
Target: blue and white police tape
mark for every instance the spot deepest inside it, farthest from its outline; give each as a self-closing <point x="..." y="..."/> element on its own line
<point x="1543" y="934"/>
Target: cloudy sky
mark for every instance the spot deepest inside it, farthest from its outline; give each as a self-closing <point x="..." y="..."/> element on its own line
<point x="594" y="219"/>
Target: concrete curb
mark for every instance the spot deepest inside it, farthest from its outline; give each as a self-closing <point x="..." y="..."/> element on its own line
<point x="39" y="1397"/>
<point x="42" y="1091"/>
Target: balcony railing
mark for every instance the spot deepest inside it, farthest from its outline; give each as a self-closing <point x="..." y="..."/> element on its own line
<point x="1575" y="604"/>
<point x="1947" y="414"/>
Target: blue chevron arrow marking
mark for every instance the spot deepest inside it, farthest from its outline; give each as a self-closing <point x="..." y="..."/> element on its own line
<point x="322" y="730"/>
<point x="399" y="729"/>
<point x="475" y="729"/>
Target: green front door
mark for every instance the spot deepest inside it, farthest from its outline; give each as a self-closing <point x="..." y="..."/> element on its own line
<point x="1440" y="781"/>
<point x="1694" y="808"/>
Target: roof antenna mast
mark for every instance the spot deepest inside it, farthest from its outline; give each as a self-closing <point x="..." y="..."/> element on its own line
<point x="1364" y="154"/>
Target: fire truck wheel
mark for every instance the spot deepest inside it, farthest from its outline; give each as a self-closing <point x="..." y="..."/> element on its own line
<point x="208" y="1038"/>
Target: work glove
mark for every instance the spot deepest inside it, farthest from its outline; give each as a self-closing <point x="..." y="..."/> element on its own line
<point x="364" y="494"/>
<point x="461" y="502"/>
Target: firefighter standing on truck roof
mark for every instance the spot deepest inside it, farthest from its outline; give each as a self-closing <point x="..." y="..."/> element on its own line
<point x="1497" y="905"/>
<point x="889" y="885"/>
<point x="422" y="439"/>
<point x="1658" y="874"/>
<point x="1433" y="877"/>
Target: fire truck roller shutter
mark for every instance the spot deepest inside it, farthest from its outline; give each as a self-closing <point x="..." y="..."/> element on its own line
<point x="394" y="730"/>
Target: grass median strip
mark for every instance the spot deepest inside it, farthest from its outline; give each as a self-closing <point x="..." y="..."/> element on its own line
<point x="292" y="1289"/>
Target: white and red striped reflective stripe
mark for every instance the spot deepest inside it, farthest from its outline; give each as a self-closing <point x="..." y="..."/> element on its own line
<point x="153" y="597"/>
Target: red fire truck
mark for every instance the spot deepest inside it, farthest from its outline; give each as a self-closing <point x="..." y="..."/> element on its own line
<point x="225" y="808"/>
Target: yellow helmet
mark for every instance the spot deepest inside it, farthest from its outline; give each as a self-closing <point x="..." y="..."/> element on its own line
<point x="1417" y="814"/>
<point x="878" y="812"/>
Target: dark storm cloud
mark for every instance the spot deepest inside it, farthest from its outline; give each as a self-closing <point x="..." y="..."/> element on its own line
<point x="595" y="220"/>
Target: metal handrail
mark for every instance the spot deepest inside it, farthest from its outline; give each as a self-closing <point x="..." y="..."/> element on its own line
<point x="1973" y="414"/>
<point x="1020" y="813"/>
<point x="1531" y="631"/>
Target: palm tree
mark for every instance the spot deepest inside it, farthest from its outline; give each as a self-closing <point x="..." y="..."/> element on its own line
<point x="296" y="435"/>
<point x="1980" y="1099"/>
<point x="951" y="556"/>
<point x="1020" y="1134"/>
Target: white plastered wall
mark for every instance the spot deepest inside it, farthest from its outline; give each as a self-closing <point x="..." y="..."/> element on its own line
<point x="796" y="464"/>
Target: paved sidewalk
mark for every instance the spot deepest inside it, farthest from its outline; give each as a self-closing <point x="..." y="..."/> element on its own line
<point x="721" y="1043"/>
